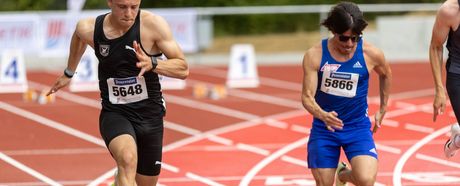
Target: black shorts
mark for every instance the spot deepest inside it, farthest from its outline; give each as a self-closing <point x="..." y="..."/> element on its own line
<point x="453" y="90"/>
<point x="148" y="135"/>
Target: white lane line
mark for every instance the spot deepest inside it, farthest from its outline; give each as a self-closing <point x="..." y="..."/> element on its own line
<point x="28" y="170"/>
<point x="300" y="129"/>
<point x="418" y="128"/>
<point x="69" y="96"/>
<point x="220" y="140"/>
<point x="288" y="85"/>
<point x="276" y="123"/>
<point x="267" y="160"/>
<point x="410" y="95"/>
<point x="294" y="161"/>
<point x="437" y="160"/>
<point x="386" y="148"/>
<point x="405" y="111"/>
<point x="55" y="151"/>
<point x="103" y="177"/>
<point x="210" y="108"/>
<point x="202" y="179"/>
<point x="253" y="149"/>
<point x="397" y="171"/>
<point x="52" y="124"/>
<point x="181" y="128"/>
<point x="231" y="128"/>
<point x="257" y="96"/>
<point x="169" y="167"/>
<point x="390" y="123"/>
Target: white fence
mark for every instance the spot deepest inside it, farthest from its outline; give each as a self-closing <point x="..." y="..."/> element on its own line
<point x="48" y="33"/>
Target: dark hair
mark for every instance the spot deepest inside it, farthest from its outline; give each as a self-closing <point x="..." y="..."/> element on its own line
<point x="345" y="16"/>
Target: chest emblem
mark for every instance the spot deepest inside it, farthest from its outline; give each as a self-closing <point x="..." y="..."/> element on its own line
<point x="330" y="67"/>
<point x="104" y="50"/>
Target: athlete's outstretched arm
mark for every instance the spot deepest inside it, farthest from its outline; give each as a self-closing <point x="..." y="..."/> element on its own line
<point x="175" y="66"/>
<point x="385" y="77"/>
<point x="80" y="39"/>
<point x="309" y="85"/>
<point x="439" y="36"/>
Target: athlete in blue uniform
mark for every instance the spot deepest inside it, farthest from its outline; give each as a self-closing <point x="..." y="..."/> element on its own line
<point x="446" y="27"/>
<point x="335" y="87"/>
<point x="131" y="119"/>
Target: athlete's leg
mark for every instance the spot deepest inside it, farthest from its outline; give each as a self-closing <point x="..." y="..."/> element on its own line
<point x="142" y="180"/>
<point x="360" y="149"/>
<point x="119" y="136"/>
<point x="323" y="156"/>
<point x="150" y="145"/>
<point x="323" y="176"/>
<point x="453" y="89"/>
<point x="124" y="151"/>
<point x="363" y="172"/>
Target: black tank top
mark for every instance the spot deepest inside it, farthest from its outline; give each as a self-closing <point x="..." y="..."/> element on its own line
<point x="118" y="60"/>
<point x="453" y="46"/>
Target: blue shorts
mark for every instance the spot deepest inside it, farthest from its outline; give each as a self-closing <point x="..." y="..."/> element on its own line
<point x="324" y="145"/>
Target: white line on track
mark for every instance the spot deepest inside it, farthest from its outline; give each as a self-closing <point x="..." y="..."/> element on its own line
<point x="263" y="80"/>
<point x="103" y="178"/>
<point x="55" y="151"/>
<point x="28" y="170"/>
<point x="390" y="123"/>
<point x="169" y="167"/>
<point x="219" y="139"/>
<point x="202" y="179"/>
<point x="265" y="98"/>
<point x="267" y="160"/>
<point x="386" y="148"/>
<point x="277" y="124"/>
<point x="181" y="128"/>
<point x="69" y="96"/>
<point x="52" y="124"/>
<point x="438" y="160"/>
<point x="294" y="161"/>
<point x="397" y="171"/>
<point x="252" y="148"/>
<point x="418" y="128"/>
<point x="255" y="119"/>
<point x="210" y="108"/>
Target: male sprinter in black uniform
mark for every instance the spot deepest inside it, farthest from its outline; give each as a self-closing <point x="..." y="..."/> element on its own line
<point x="131" y="119"/>
<point x="446" y="27"/>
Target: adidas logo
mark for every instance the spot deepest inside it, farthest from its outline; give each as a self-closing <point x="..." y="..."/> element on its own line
<point x="357" y="65"/>
<point x="373" y="151"/>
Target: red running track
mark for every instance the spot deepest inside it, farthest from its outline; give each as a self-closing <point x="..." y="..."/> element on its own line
<point x="253" y="137"/>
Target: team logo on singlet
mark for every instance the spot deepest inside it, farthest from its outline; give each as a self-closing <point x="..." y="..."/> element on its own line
<point x="104" y="50"/>
<point x="330" y="67"/>
<point x="357" y="65"/>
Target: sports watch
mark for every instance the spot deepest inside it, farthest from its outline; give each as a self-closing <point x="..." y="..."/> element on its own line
<point x="154" y="62"/>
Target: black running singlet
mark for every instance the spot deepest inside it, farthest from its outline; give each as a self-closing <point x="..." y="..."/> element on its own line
<point x="453" y="46"/>
<point x="120" y="88"/>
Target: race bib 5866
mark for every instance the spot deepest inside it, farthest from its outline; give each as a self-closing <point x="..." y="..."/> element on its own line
<point x="339" y="83"/>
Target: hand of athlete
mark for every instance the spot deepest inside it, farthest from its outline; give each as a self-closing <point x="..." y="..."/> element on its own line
<point x="145" y="63"/>
<point x="60" y="82"/>
<point x="439" y="105"/>
<point x="332" y="121"/>
<point x="378" y="120"/>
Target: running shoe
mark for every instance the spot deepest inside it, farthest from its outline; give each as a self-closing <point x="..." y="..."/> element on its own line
<point x="340" y="167"/>
<point x="450" y="148"/>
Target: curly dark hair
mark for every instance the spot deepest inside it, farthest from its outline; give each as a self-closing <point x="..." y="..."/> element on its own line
<point x="345" y="16"/>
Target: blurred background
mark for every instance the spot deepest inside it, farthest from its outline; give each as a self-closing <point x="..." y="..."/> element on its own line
<point x="279" y="30"/>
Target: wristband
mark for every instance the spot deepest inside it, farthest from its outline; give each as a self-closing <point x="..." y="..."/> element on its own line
<point x="154" y="62"/>
<point x="68" y="73"/>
